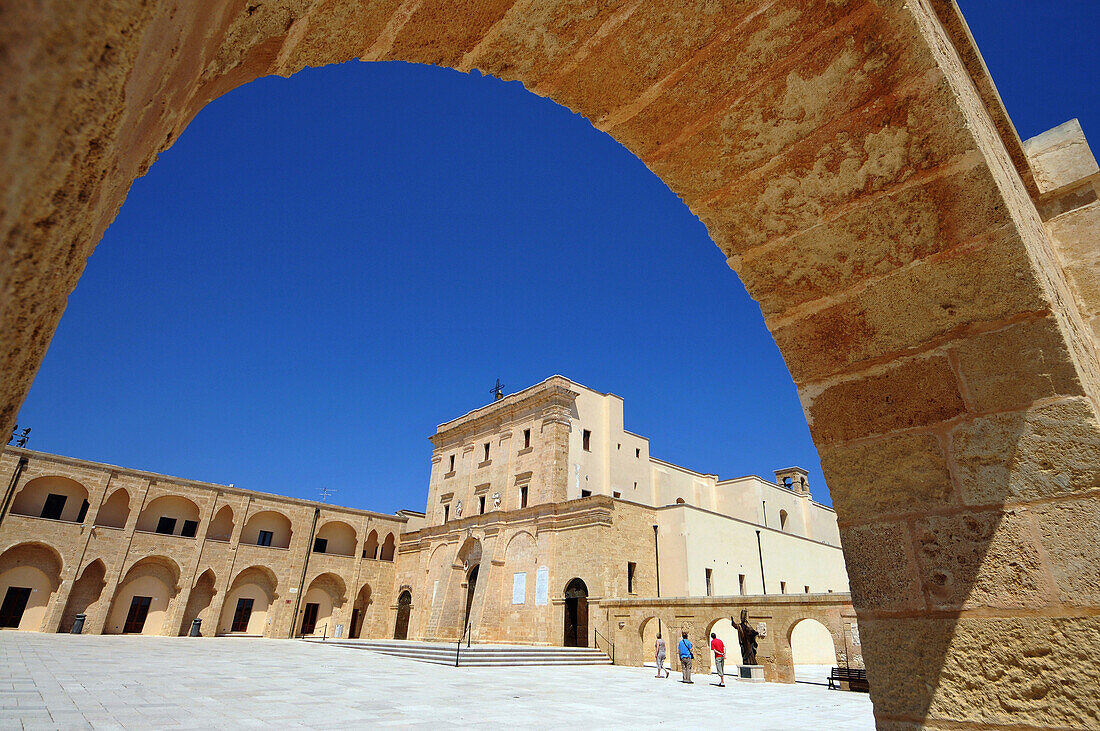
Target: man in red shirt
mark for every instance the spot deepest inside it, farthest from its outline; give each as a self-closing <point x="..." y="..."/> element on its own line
<point x="719" y="649"/>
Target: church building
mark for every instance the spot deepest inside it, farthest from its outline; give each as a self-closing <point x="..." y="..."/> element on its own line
<point x="542" y="512"/>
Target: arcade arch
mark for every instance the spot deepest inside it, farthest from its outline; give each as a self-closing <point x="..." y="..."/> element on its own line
<point x="335" y="537"/>
<point x="359" y="612"/>
<point x="811" y="643"/>
<point x="198" y="604"/>
<point x="221" y="527"/>
<point x="370" y="550"/>
<point x="170" y="515"/>
<point x="144" y="598"/>
<point x="388" y="547"/>
<point x="30" y="574"/>
<point x="325" y="593"/>
<point x="53" y="497"/>
<point x="86" y="591"/>
<point x="249" y="601"/>
<point x="115" y="511"/>
<point x="267" y="528"/>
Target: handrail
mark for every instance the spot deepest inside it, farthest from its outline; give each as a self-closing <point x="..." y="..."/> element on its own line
<point x="596" y="641"/>
<point x="458" y="647"/>
<point x="324" y="633"/>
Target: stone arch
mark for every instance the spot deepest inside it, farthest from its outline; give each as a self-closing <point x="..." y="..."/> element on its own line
<point x="249" y="601"/>
<point x="723" y="627"/>
<point x="267" y="521"/>
<point x="115" y="511"/>
<point x="359" y="611"/>
<point x="522" y="548"/>
<point x="221" y="527"/>
<point x="198" y="604"/>
<point x="61" y="498"/>
<point x="339" y="538"/>
<point x="155" y="578"/>
<point x="851" y="160"/>
<point x="811" y="642"/>
<point x="370" y="550"/>
<point x="86" y="591"/>
<point x="388" y="547"/>
<point x="30" y="571"/>
<point x="175" y="514"/>
<point x="326" y="592"/>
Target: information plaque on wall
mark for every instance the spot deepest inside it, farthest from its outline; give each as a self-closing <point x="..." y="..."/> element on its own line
<point x="519" y="587"/>
<point x="542" y="586"/>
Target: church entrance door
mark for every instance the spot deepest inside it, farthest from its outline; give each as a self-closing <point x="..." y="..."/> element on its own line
<point x="404" y="609"/>
<point x="576" y="614"/>
<point x="471" y="585"/>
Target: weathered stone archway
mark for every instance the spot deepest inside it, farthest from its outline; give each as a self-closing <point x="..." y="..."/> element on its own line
<point x="851" y="160"/>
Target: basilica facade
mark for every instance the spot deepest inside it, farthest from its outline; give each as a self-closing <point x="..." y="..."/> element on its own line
<point x="543" y="513"/>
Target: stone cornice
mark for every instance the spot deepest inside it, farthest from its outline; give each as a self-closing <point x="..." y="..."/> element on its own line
<point x="594" y="510"/>
<point x="552" y="395"/>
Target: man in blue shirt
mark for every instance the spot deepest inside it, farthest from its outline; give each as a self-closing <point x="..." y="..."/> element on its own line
<point x="686" y="656"/>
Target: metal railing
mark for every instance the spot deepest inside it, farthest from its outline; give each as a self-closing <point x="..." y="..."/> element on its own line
<point x="465" y="636"/>
<point x="609" y="645"/>
<point x="324" y="633"/>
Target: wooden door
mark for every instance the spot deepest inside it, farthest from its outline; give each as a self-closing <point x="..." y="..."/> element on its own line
<point x="404" y="609"/>
<point x="135" y="618"/>
<point x="242" y="615"/>
<point x="309" y="619"/>
<point x="15" y="603"/>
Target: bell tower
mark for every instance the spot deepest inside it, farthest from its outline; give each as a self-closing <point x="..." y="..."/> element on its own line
<point x="795" y="479"/>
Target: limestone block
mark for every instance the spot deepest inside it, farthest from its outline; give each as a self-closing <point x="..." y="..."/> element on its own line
<point x="1060" y="156"/>
<point x="914" y="393"/>
<point x="980" y="559"/>
<point x="1043" y="452"/>
<point x="1039" y="671"/>
<point x="1076" y="236"/>
<point x="889" y="476"/>
<point x="1069" y="532"/>
<point x="1016" y="366"/>
<point x="913" y="306"/>
<point x="881" y="567"/>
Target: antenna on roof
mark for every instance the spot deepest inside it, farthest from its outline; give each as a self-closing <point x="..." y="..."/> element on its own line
<point x="497" y="391"/>
<point x="325" y="492"/>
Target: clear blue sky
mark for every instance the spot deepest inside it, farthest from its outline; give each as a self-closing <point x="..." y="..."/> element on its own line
<point x="324" y="268"/>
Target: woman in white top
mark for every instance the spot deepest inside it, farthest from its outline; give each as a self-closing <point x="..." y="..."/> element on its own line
<point x="659" y="648"/>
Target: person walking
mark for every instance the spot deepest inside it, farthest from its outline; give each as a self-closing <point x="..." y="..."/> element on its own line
<point x="719" y="649"/>
<point x="685" y="647"/>
<point x="659" y="648"/>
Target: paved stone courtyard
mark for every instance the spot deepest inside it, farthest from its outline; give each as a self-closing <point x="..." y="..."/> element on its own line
<point x="65" y="681"/>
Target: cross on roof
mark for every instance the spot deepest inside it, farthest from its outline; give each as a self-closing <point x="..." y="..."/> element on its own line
<point x="497" y="390"/>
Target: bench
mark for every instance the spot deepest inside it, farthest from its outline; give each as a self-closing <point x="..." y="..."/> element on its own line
<point x="856" y="678"/>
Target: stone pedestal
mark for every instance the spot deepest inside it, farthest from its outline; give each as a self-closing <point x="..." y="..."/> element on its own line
<point x="751" y="673"/>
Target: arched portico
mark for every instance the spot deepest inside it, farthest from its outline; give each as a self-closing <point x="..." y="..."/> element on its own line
<point x="144" y="598"/>
<point x="30" y="575"/>
<point x="852" y="162"/>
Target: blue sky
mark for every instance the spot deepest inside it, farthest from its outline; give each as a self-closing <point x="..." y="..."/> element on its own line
<point x="323" y="268"/>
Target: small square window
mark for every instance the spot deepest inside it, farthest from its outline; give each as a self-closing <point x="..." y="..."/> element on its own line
<point x="264" y="539"/>
<point x="526" y="438"/>
<point x="190" y="527"/>
<point x="586" y="440"/>
<point x="586" y="493"/>
<point x="166" y="526"/>
<point x="320" y="545"/>
<point x="616" y="494"/>
<point x="53" y="506"/>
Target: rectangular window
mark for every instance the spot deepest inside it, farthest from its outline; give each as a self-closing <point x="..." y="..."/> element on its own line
<point x="264" y="539"/>
<point x="320" y="545"/>
<point x="710" y="584"/>
<point x="167" y="526"/>
<point x="446" y="513"/>
<point x="452" y="464"/>
<point x="486" y="452"/>
<point x="586" y="439"/>
<point x="741" y="583"/>
<point x="526" y="438"/>
<point x="481" y="505"/>
<point x="83" y="512"/>
<point x="523" y="496"/>
<point x="630" y="568"/>
<point x="635" y="485"/>
<point x="638" y="453"/>
<point x="53" y="506"/>
<point x="190" y="527"/>
<point x="616" y="494"/>
<point x="586" y="493"/>
<point x="807" y="589"/>
<point x="782" y="587"/>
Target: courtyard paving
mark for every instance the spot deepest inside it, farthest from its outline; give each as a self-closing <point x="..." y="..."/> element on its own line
<point x="66" y="681"/>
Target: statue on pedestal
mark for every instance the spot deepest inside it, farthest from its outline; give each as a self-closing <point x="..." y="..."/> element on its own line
<point x="746" y="634"/>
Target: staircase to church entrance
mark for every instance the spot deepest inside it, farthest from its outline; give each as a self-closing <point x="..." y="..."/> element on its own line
<point x="443" y="653"/>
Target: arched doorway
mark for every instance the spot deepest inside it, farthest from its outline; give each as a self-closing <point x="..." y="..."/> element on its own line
<point x="404" y="609"/>
<point x="576" y="614"/>
<point x="358" y="612"/>
<point x="811" y="644"/>
<point x="30" y="573"/>
<point x="471" y="586"/>
<point x="144" y="598"/>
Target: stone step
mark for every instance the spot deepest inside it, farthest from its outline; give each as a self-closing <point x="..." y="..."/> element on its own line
<point x="443" y="653"/>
